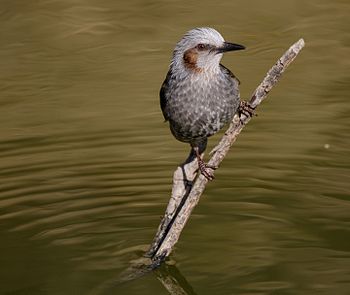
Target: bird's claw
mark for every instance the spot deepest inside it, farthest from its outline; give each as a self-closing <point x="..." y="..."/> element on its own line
<point x="246" y="109"/>
<point x="207" y="170"/>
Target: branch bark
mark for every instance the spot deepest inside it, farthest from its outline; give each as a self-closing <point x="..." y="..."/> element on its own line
<point x="188" y="187"/>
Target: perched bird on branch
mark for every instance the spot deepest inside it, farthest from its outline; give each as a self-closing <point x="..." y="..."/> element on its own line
<point x="199" y="95"/>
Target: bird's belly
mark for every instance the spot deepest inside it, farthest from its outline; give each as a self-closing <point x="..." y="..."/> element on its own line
<point x="202" y="118"/>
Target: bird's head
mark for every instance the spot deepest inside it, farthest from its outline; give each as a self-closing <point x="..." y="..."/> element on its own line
<point x="200" y="50"/>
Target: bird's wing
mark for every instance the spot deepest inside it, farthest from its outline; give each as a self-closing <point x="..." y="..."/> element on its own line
<point x="229" y="73"/>
<point x="163" y="95"/>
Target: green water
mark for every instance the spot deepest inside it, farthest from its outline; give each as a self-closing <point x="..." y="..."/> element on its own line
<point x="86" y="161"/>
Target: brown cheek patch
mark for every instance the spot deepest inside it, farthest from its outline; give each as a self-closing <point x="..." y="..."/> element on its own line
<point x="190" y="60"/>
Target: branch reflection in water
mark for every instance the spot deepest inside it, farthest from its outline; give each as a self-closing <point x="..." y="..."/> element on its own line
<point x="167" y="273"/>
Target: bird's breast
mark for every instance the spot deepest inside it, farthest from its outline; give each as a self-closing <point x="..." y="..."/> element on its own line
<point x="200" y="106"/>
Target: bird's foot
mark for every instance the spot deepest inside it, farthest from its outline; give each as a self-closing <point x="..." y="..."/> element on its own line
<point x="246" y="109"/>
<point x="206" y="170"/>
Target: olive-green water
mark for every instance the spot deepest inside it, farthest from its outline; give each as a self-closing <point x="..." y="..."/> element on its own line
<point x="86" y="161"/>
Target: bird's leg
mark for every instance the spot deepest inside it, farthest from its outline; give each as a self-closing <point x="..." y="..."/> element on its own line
<point x="246" y="109"/>
<point x="204" y="168"/>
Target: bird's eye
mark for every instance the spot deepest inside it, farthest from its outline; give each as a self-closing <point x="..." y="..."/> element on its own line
<point x="201" y="46"/>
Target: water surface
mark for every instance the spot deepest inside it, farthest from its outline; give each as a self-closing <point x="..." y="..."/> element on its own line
<point x="86" y="160"/>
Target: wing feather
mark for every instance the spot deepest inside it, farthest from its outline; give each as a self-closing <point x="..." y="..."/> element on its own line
<point x="163" y="94"/>
<point x="229" y="73"/>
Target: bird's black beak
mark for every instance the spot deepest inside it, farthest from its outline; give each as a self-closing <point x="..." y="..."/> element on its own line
<point x="230" y="47"/>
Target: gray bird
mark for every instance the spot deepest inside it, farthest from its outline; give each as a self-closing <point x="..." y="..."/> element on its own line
<point x="199" y="95"/>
